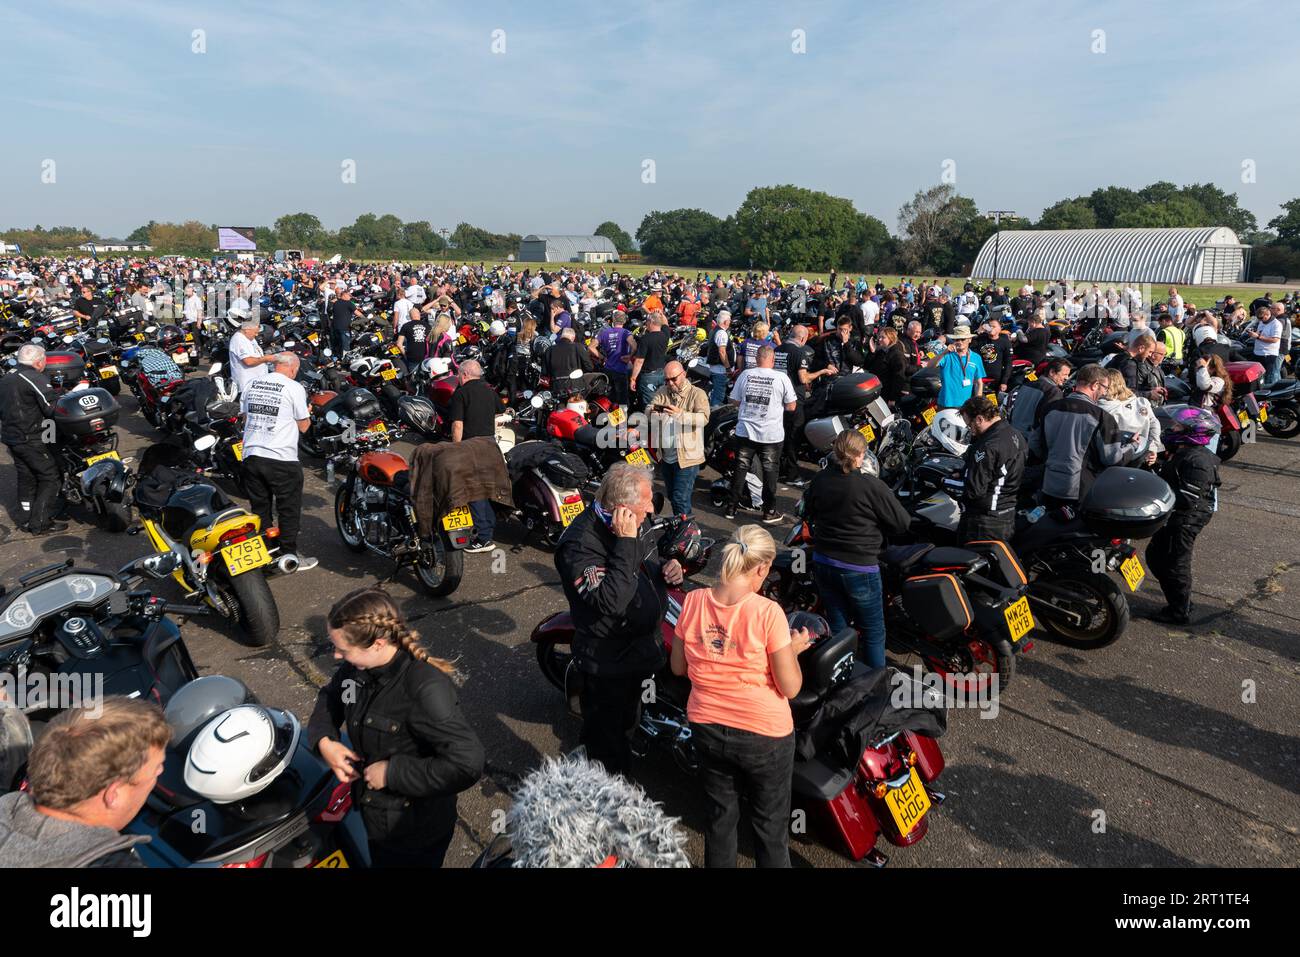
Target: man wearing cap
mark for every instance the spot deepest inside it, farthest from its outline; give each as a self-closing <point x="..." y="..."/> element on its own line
<point x="247" y="362"/>
<point x="961" y="371"/>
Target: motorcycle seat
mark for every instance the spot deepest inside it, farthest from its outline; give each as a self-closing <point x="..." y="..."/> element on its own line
<point x="587" y="435"/>
<point x="905" y="556"/>
<point x="1278" y="390"/>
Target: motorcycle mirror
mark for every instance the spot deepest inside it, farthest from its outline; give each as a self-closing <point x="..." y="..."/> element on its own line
<point x="67" y="338"/>
<point x="150" y="330"/>
<point x="160" y="566"/>
<point x="327" y="352"/>
<point x="332" y="417"/>
<point x="528" y="393"/>
<point x="537" y="402"/>
<point x="205" y="442"/>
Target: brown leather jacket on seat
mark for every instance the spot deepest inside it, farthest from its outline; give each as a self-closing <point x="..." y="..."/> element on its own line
<point x="447" y="475"/>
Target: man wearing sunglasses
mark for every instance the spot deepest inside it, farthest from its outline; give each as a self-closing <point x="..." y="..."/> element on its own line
<point x="679" y="411"/>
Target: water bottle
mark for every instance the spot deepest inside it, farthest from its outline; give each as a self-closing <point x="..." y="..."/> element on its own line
<point x="1036" y="514"/>
<point x="329" y="473"/>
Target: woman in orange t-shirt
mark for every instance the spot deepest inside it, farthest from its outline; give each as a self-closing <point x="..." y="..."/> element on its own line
<point x="738" y="651"/>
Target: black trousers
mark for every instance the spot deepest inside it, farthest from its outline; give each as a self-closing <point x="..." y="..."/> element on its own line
<point x="609" y="711"/>
<point x="1169" y="556"/>
<point x="38" y="483"/>
<point x="794" y="422"/>
<point x="769" y="464"/>
<point x="393" y="855"/>
<point x="736" y="764"/>
<point x="984" y="528"/>
<point x="619" y="391"/>
<point x="276" y="486"/>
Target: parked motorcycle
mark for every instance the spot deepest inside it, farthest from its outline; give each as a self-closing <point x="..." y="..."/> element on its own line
<point x="885" y="789"/>
<point x="85" y="447"/>
<point x="106" y="634"/>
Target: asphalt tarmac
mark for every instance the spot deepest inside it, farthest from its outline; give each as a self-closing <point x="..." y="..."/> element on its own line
<point x="1172" y="747"/>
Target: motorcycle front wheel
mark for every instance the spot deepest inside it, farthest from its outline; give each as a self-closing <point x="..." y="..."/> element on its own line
<point x="440" y="569"/>
<point x="553" y="662"/>
<point x="345" y="519"/>
<point x="972" y="668"/>
<point x="255" y="609"/>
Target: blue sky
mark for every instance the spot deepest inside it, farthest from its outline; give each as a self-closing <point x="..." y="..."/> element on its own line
<point x="551" y="135"/>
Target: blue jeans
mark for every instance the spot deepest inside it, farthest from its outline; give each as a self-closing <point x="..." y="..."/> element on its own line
<point x="718" y="392"/>
<point x="342" y="340"/>
<point x="647" y="384"/>
<point x="1272" y="368"/>
<point x="679" y="483"/>
<point x="485" y="521"/>
<point x="854" y="598"/>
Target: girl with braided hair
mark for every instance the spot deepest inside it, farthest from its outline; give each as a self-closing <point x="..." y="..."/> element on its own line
<point x="411" y="750"/>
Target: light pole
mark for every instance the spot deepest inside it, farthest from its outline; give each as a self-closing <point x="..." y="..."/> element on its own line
<point x="996" y="215"/>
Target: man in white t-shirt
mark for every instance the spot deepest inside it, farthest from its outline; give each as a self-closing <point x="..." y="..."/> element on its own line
<point x="870" y="310"/>
<point x="764" y="396"/>
<point x="247" y="361"/>
<point x="401" y="312"/>
<point x="275" y="414"/>
<point x="415" y="293"/>
<point x="1268" y="344"/>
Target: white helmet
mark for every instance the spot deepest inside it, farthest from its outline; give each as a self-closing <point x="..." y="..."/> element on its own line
<point x="951" y="431"/>
<point x="498" y="328"/>
<point x="240" y="752"/>
<point x="363" y="364"/>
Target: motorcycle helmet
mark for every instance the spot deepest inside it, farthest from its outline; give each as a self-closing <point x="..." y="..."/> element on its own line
<point x="951" y="431"/>
<point x="198" y="702"/>
<point x="240" y="752"/>
<point x="683" y="541"/>
<point x="363" y="365"/>
<point x="170" y="338"/>
<point x="1186" y="425"/>
<point x="818" y="627"/>
<point x="497" y="329"/>
<point x="418" y="412"/>
<point x="106" y="479"/>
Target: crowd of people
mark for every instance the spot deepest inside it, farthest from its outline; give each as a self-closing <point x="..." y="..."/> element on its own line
<point x="88" y="779"/>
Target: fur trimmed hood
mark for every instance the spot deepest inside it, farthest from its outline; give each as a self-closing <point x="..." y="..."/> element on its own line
<point x="571" y="812"/>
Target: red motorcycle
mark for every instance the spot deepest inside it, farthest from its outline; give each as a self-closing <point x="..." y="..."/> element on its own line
<point x="886" y="789"/>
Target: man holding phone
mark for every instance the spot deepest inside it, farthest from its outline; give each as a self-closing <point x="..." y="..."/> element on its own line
<point x="617" y="598"/>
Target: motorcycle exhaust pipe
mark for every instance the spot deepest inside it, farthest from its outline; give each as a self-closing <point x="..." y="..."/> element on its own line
<point x="287" y="564"/>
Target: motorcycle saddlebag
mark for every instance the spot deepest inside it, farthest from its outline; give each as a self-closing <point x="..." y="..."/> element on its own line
<point x="69" y="365"/>
<point x="1245" y="376"/>
<point x="1127" y="503"/>
<point x="849" y="817"/>
<point x="938" y="604"/>
<point x="848" y="393"/>
<point x="1002" y="562"/>
<point x="85" y="412"/>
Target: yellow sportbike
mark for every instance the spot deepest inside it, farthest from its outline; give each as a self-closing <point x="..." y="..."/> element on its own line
<point x="222" y="549"/>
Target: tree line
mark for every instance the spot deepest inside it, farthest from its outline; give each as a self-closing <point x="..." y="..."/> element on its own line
<point x="782" y="227"/>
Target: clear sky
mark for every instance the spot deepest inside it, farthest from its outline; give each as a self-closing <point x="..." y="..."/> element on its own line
<point x="552" y="134"/>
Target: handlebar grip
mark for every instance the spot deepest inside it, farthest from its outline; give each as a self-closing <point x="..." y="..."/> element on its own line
<point x="172" y="609"/>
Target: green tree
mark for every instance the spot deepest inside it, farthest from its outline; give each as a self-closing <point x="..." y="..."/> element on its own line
<point x="1287" y="224"/>
<point x="941" y="230"/>
<point x="141" y="233"/>
<point x="300" y="231"/>
<point x="1068" y="214"/>
<point x="1222" y="209"/>
<point x="420" y="237"/>
<point x="190" y="238"/>
<point x="1176" y="211"/>
<point x="615" y="234"/>
<point x="1108" y="202"/>
<point x="682" y="237"/>
<point x="787" y="227"/>
<point x="265" y="238"/>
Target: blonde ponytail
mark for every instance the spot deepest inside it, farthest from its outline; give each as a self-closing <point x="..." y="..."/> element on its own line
<point x="749" y="547"/>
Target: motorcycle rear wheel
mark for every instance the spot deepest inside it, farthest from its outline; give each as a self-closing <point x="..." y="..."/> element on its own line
<point x="1108" y="606"/>
<point x="1283" y="424"/>
<point x="1229" y="444"/>
<point x="977" y="662"/>
<point x="113" y="385"/>
<point x="441" y="576"/>
<point x="255" y="608"/>
<point x="116" y="517"/>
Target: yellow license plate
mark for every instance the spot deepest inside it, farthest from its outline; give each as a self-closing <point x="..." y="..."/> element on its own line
<point x="569" y="511"/>
<point x="928" y="415"/>
<point x="617" y="416"/>
<point x="245" y="556"/>
<point x="638" y="457"/>
<point x="1031" y="376"/>
<point x="99" y="458"/>
<point x="334" y="860"/>
<point x="1020" y="620"/>
<point x="139" y="337"/>
<point x="313" y="338"/>
<point x="908" y="804"/>
<point x="107" y="372"/>
<point x="868" y="432"/>
<point x="1243" y="418"/>
<point x="393" y="350"/>
<point x="378" y="427"/>
<point x="458" y="518"/>
<point x="388" y="374"/>
<point x="1133" y="572"/>
<point x="461" y="340"/>
<point x="189" y="337"/>
<point x="1263" y="414"/>
<point x="238" y="449"/>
